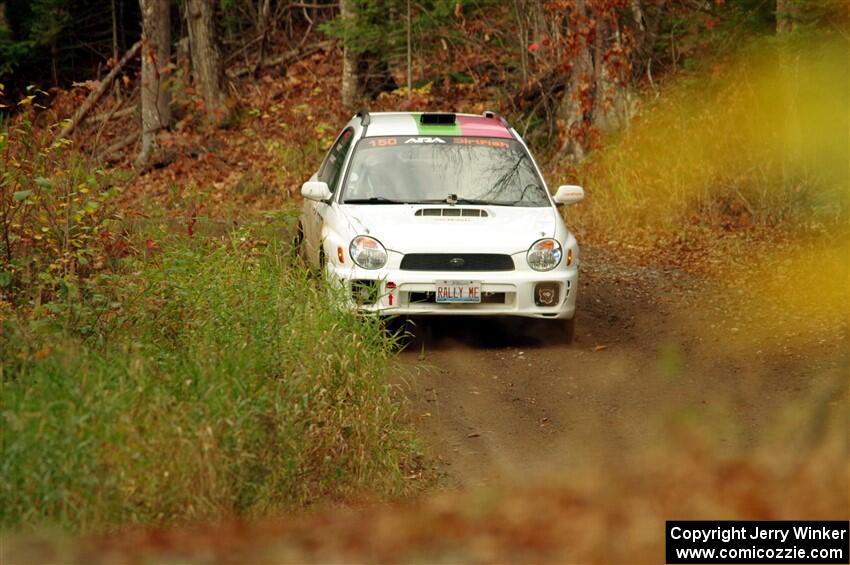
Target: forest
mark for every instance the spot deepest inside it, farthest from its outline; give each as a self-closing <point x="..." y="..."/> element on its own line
<point x="167" y="359"/>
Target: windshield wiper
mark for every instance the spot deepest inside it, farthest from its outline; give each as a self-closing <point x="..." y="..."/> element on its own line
<point x="373" y="200"/>
<point x="480" y="202"/>
<point x="428" y="201"/>
<point x="452" y="201"/>
<point x="468" y="201"/>
<point x="521" y="203"/>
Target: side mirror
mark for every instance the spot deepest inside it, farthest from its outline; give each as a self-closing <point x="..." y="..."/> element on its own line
<point x="569" y="194"/>
<point x="316" y="190"/>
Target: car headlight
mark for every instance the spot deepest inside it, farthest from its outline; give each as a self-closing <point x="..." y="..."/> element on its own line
<point x="544" y="255"/>
<point x="367" y="252"/>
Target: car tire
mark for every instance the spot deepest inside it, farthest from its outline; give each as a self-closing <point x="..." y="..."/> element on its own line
<point x="568" y="330"/>
<point x="323" y="265"/>
<point x="396" y="326"/>
<point x="298" y="243"/>
<point x="298" y="237"/>
<point x="407" y="332"/>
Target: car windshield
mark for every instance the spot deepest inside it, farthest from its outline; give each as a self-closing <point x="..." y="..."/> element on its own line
<point x="472" y="170"/>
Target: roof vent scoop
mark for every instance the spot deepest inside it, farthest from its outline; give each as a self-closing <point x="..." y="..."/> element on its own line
<point x="438" y="119"/>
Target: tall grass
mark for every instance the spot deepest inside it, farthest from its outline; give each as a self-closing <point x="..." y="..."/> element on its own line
<point x="758" y="138"/>
<point x="739" y="169"/>
<point x="220" y="379"/>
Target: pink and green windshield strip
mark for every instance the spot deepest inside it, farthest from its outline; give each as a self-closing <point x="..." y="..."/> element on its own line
<point x="471" y="126"/>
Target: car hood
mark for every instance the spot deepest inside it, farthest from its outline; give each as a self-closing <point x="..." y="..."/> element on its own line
<point x="406" y="228"/>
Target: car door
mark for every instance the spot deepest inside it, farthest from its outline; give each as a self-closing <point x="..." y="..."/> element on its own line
<point x="316" y="212"/>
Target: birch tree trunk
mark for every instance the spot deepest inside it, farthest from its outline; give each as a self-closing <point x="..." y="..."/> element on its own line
<point x="156" y="52"/>
<point x="349" y="59"/>
<point x="205" y="55"/>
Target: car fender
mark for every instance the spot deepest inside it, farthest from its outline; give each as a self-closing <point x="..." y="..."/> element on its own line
<point x="336" y="233"/>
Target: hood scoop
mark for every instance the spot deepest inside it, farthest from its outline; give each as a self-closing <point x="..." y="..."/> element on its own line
<point x="452" y="212"/>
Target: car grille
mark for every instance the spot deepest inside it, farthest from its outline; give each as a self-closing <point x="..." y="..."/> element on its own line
<point x="457" y="262"/>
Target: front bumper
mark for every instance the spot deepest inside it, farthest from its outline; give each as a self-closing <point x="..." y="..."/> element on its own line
<point x="504" y="293"/>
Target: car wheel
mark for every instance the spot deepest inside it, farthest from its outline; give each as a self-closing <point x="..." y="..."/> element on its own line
<point x="298" y="241"/>
<point x="406" y="332"/>
<point x="298" y="238"/>
<point x="398" y="327"/>
<point x="568" y="329"/>
<point x="323" y="265"/>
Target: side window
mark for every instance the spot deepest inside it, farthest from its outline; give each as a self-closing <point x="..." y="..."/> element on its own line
<point x="332" y="167"/>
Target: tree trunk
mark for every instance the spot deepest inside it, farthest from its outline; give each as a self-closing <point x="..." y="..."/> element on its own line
<point x="522" y="35"/>
<point x="597" y="96"/>
<point x="536" y="13"/>
<point x="787" y="16"/>
<point x="532" y="28"/>
<point x="613" y="97"/>
<point x="576" y="105"/>
<point x="156" y="53"/>
<point x="115" y="50"/>
<point x="349" y="59"/>
<point x="206" y="58"/>
<point x="263" y="16"/>
<point x="787" y="13"/>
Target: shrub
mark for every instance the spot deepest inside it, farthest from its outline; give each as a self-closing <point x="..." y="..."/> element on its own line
<point x="58" y="223"/>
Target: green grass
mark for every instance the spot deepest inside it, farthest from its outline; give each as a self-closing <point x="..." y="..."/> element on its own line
<point x="215" y="377"/>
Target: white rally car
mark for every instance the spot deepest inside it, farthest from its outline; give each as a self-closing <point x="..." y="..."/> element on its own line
<point x="440" y="214"/>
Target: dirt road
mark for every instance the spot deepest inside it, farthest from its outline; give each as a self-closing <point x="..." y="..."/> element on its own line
<point x="657" y="362"/>
<point x="574" y="442"/>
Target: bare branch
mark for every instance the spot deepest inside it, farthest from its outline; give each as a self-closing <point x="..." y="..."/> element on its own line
<point x="97" y="93"/>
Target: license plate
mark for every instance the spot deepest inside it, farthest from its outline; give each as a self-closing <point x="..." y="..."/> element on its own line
<point x="465" y="292"/>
